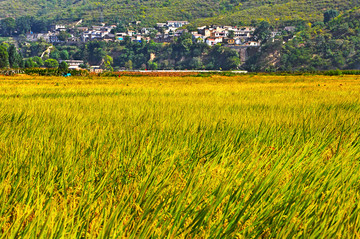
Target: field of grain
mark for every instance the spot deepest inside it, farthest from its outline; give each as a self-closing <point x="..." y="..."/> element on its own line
<point x="180" y="157"/>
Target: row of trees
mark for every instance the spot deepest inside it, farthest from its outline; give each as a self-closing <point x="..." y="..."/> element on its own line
<point x="22" y="25"/>
<point x="182" y="54"/>
<point x="10" y="57"/>
<point x="35" y="62"/>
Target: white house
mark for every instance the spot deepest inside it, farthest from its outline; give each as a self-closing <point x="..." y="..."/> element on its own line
<point x="73" y="64"/>
<point x="176" y="24"/>
<point x="252" y="43"/>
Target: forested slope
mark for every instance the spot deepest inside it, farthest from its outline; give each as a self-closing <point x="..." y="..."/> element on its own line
<point x="151" y="11"/>
<point x="333" y="45"/>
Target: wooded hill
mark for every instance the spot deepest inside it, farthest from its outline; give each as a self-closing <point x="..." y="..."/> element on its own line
<point x="232" y="12"/>
<point x="322" y="46"/>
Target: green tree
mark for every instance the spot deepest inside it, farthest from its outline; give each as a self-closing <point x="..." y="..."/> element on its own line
<point x="223" y="58"/>
<point x="51" y="63"/>
<point x="63" y="36"/>
<point x="107" y="62"/>
<point x="184" y="44"/>
<point x="262" y="32"/>
<point x="95" y="52"/>
<point x="129" y="65"/>
<point x="84" y="66"/>
<point x="29" y="63"/>
<point x="127" y="41"/>
<point x="152" y="65"/>
<point x="119" y="28"/>
<point x="231" y="34"/>
<point x="63" y="65"/>
<point x="38" y="61"/>
<point x="232" y="62"/>
<point x="191" y="28"/>
<point x="55" y="54"/>
<point x="195" y="63"/>
<point x="4" y="57"/>
<point x="330" y="14"/>
<point x="15" y="59"/>
<point x="23" y="24"/>
<point x="8" y="26"/>
<point x="39" y="26"/>
<point x="64" y="55"/>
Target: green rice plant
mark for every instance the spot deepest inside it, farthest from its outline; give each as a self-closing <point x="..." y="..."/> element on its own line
<point x="180" y="157"/>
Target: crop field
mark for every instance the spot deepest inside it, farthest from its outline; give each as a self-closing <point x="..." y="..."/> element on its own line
<point x="180" y="157"/>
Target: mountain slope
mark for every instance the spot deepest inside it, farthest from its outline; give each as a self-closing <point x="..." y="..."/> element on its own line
<point x="283" y="11"/>
<point x="151" y="11"/>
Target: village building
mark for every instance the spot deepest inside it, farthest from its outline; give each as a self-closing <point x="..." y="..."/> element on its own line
<point x="176" y="24"/>
<point x="160" y="25"/>
<point x="109" y="37"/>
<point x="58" y="28"/>
<point x="290" y="28"/>
<point x="162" y="33"/>
<point x="252" y="43"/>
<point x="96" y="69"/>
<point x="229" y="41"/>
<point x="73" y="64"/>
<point x="53" y="38"/>
<point x="82" y="29"/>
<point x="210" y="41"/>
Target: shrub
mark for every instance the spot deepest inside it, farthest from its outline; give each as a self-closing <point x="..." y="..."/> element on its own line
<point x="51" y="63"/>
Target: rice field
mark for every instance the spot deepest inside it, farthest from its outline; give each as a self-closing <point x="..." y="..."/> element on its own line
<point x="180" y="157"/>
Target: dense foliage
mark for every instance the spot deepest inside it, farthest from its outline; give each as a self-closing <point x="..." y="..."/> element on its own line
<point x="151" y="11"/>
<point x="182" y="54"/>
<point x="21" y="25"/>
<point x="334" y="44"/>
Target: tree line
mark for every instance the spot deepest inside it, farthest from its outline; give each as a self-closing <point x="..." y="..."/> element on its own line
<point x="182" y="54"/>
<point x="22" y="25"/>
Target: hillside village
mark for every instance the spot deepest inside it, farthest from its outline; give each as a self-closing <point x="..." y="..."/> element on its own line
<point x="238" y="38"/>
<point x="161" y="33"/>
<point x="263" y="43"/>
<point x="165" y="45"/>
